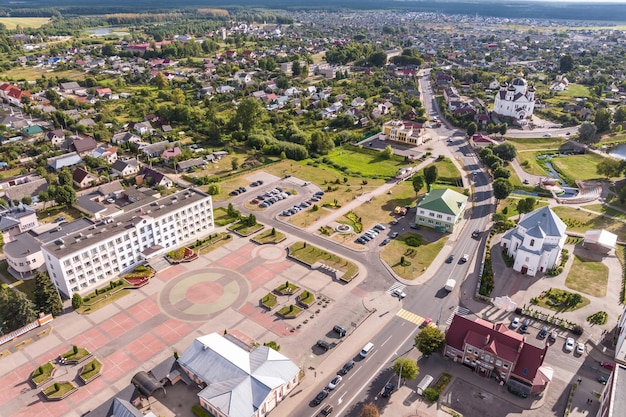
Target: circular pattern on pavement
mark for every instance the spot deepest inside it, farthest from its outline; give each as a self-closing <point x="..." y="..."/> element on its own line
<point x="201" y="295"/>
<point x="269" y="253"/>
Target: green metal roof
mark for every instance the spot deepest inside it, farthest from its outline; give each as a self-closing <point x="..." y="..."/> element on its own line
<point x="443" y="201"/>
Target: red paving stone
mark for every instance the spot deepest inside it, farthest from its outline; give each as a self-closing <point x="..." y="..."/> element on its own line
<point x="145" y="347"/>
<point x="117" y="364"/>
<point x="91" y="340"/>
<point x="281" y="328"/>
<point x="232" y="261"/>
<point x="259" y="276"/>
<point x="264" y="319"/>
<point x="171" y="272"/>
<point x="144" y="310"/>
<point x="278" y="267"/>
<point x="57" y="408"/>
<point x="172" y="330"/>
<point x="247" y="309"/>
<point x="35" y="409"/>
<point x="358" y="292"/>
<point x="246" y="251"/>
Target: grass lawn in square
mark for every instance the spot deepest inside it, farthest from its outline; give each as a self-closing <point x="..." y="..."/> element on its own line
<point x="242" y="229"/>
<point x="579" y="167"/>
<point x="556" y="300"/>
<point x="221" y="216"/>
<point x="91" y="369"/>
<point x="71" y="356"/>
<point x="64" y="388"/>
<point x="587" y="276"/>
<point x="380" y="208"/>
<point x="511" y="205"/>
<point x="447" y="172"/>
<point x="575" y="90"/>
<point x="419" y="257"/>
<point x="307" y="298"/>
<point x="41" y="375"/>
<point x="290" y="311"/>
<point x="310" y="254"/>
<point x="111" y="297"/>
<point x="367" y="162"/>
<point x="307" y="217"/>
<point x="269" y="300"/>
<point x="268" y="237"/>
<point x="581" y="221"/>
<point x="600" y="208"/>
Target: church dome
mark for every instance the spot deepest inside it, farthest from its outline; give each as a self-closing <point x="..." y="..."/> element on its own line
<point x="519" y="82"/>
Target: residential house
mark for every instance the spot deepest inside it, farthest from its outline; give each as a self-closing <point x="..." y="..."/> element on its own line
<point x="67" y="160"/>
<point x="237" y="381"/>
<point x="443" y="79"/>
<point x="125" y="168"/>
<point x="402" y="131"/>
<point x="154" y="150"/>
<point x="125" y="137"/>
<point x="56" y="137"/>
<point x="482" y="141"/>
<point x="494" y="351"/>
<point x="188" y="165"/>
<point x="536" y="242"/>
<point x="83" y="178"/>
<point x="153" y="178"/>
<point x="101" y="92"/>
<point x="205" y="91"/>
<point x="171" y="153"/>
<point x="32" y="130"/>
<point x="82" y="144"/>
<point x="87" y="122"/>
<point x="73" y="87"/>
<point x="142" y="127"/>
<point x="16" y="220"/>
<point x="108" y="153"/>
<point x="441" y="209"/>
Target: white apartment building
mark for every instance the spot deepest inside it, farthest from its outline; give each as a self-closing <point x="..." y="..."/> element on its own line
<point x="87" y="258"/>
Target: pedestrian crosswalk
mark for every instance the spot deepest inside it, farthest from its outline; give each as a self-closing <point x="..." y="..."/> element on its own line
<point x="396" y="286"/>
<point x="461" y="311"/>
<point x="412" y="317"/>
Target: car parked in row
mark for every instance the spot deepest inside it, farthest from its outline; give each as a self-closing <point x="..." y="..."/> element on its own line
<point x="334" y="382"/>
<point x="256" y="183"/>
<point x="346" y="367"/>
<point x="238" y="191"/>
<point x="320" y="397"/>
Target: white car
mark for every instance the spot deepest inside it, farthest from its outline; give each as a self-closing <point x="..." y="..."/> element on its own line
<point x="569" y="344"/>
<point x="580" y="348"/>
<point x="465" y="258"/>
<point x="398" y="293"/>
<point x="515" y="323"/>
<point x="334" y="382"/>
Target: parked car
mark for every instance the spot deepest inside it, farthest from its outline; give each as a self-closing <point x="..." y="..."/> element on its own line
<point x="524" y="327"/>
<point x="607" y="365"/>
<point x="234" y="192"/>
<point x="603" y="379"/>
<point x="553" y="337"/>
<point x="339" y="330"/>
<point x="334" y="382"/>
<point x="346" y="368"/>
<point x="580" y="348"/>
<point x="394" y="235"/>
<point x="319" y="193"/>
<point x="398" y="293"/>
<point x="323" y="344"/>
<point x="543" y="332"/>
<point x="394" y="222"/>
<point x="59" y="219"/>
<point x="320" y="397"/>
<point x="388" y="390"/>
<point x="515" y="323"/>
<point x="326" y="410"/>
<point x="384" y="242"/>
<point x="569" y="344"/>
<point x="414" y="226"/>
<point x="379" y="226"/>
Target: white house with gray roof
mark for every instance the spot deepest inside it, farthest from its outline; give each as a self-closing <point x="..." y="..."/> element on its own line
<point x="237" y="382"/>
<point x="536" y="242"/>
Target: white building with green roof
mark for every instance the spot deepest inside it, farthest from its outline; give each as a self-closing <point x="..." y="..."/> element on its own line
<point x="441" y="209"/>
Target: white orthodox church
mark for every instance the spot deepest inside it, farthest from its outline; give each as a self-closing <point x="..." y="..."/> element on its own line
<point x="516" y="100"/>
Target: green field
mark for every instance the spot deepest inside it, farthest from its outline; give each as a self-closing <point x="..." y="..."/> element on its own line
<point x="581" y="221"/>
<point x="32" y="74"/>
<point x="587" y="276"/>
<point x="575" y="90"/>
<point x="536" y="143"/>
<point x="26" y="22"/>
<point x="419" y="258"/>
<point x="367" y="162"/>
<point x="580" y="167"/>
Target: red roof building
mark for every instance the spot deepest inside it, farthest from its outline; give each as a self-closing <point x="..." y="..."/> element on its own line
<point x="494" y="351"/>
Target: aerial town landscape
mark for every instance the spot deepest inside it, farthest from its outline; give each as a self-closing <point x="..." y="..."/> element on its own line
<point x="258" y="209"/>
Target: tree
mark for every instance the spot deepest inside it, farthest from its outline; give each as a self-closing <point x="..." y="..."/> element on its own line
<point x="273" y="345"/>
<point x="77" y="300"/>
<point x="566" y="63"/>
<point x="503" y="129"/>
<point x="387" y="153"/>
<point x="502" y="187"/>
<point x="418" y="183"/>
<point x="248" y="115"/>
<point x="429" y="340"/>
<point x="321" y="143"/>
<point x="251" y="220"/>
<point x="525" y="205"/>
<point x="603" y="120"/>
<point x="501" y="172"/>
<point x="65" y="195"/>
<point x="370" y="410"/>
<point x="472" y="128"/>
<point x="609" y="168"/>
<point x="65" y="176"/>
<point x="160" y="81"/>
<point x="587" y="132"/>
<point x="378" y="59"/>
<point x="505" y="151"/>
<point x="234" y="163"/>
<point x="620" y="114"/>
<point x="19" y="310"/>
<point x="430" y="175"/>
<point x="47" y="298"/>
<point x="407" y="366"/>
<point x="213" y="189"/>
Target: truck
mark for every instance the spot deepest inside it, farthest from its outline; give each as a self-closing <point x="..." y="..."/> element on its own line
<point x="450" y="284"/>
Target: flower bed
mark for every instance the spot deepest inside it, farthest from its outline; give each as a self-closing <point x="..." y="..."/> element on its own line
<point x="59" y="390"/>
<point x="309" y="255"/>
<point x="269" y="301"/>
<point x="139" y="277"/>
<point x="290" y="311"/>
<point x="287" y="288"/>
<point x="75" y="355"/>
<point x="42" y="374"/>
<point x="307" y="298"/>
<point x="181" y="255"/>
<point x="90" y="371"/>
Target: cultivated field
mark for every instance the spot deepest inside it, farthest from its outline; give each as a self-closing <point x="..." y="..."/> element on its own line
<point x="25" y="22"/>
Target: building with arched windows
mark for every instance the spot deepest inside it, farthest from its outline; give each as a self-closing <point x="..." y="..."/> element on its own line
<point x="516" y="100"/>
<point x="536" y="242"/>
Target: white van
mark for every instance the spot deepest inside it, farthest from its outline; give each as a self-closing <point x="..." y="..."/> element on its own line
<point x="366" y="349"/>
<point x="424" y="383"/>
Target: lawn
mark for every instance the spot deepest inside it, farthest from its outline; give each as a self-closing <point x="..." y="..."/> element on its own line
<point x="221" y="217"/>
<point x="242" y="228"/>
<point x="579" y="167"/>
<point x="42" y="373"/>
<point x="110" y="298"/>
<point x="560" y="300"/>
<point x="25" y="22"/>
<point x="367" y="162"/>
<point x="287" y="288"/>
<point x="53" y="212"/>
<point x="269" y="237"/>
<point x="306" y="298"/>
<point x="511" y="205"/>
<point x="308" y="216"/>
<point x="310" y="254"/>
<point x="581" y="221"/>
<point x="64" y="388"/>
<point x="575" y="90"/>
<point x="269" y="300"/>
<point x="379" y="209"/>
<point x="536" y="144"/>
<point x="91" y="369"/>
<point x="447" y="173"/>
<point x="600" y="208"/>
<point x="589" y="277"/>
<point x="25" y="286"/>
<point x="290" y="311"/>
<point x="32" y="74"/>
<point x="419" y="257"/>
<point x="71" y="356"/>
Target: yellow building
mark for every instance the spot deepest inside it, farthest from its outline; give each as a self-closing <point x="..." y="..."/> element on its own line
<point x="402" y="131"/>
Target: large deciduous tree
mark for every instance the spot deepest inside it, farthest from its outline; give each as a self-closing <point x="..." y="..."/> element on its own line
<point x="472" y="128"/>
<point x="406" y="368"/>
<point x="587" y="132"/>
<point x="526" y="205"/>
<point x="16" y="309"/>
<point x="370" y="410"/>
<point x="609" y="168"/>
<point x="603" y="120"/>
<point x="429" y="340"/>
<point x="248" y="115"/>
<point x="430" y="175"/>
<point x="502" y="187"/>
<point x="566" y="63"/>
<point x="47" y="298"/>
<point x="505" y="151"/>
<point x="418" y="183"/>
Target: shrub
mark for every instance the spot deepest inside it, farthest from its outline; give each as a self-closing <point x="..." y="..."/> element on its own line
<point x="431" y="394"/>
<point x="598" y="318"/>
<point x="413" y="241"/>
<point x="577" y="330"/>
<point x="77" y="301"/>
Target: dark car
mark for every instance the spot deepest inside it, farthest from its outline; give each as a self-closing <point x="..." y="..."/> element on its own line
<point x="346" y="368"/>
<point x="543" y="332"/>
<point x="339" y="330"/>
<point x="476" y="234"/>
<point x="524" y="327"/>
<point x="603" y="379"/>
<point x="320" y="397"/>
<point x="235" y="192"/>
<point x="59" y="219"/>
<point x="450" y="259"/>
<point x="414" y="226"/>
<point x="326" y="410"/>
<point x="323" y="344"/>
<point x="388" y="390"/>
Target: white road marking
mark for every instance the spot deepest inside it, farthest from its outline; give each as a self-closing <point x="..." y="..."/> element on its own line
<point x="383" y="344"/>
<point x="354" y="373"/>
